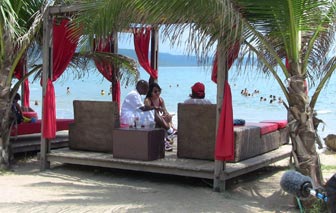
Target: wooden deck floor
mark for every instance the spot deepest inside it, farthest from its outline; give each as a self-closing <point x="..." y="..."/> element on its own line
<point x="170" y="164"/>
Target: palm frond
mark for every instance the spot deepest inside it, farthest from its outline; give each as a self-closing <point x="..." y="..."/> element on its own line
<point x="319" y="47"/>
<point x="329" y="70"/>
<point x="300" y="31"/>
<point x="205" y="21"/>
<point x="27" y="38"/>
<point x="82" y="64"/>
<point x="128" y="69"/>
<point x="9" y="18"/>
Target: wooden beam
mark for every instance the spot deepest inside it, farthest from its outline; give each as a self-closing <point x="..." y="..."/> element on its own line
<point x="54" y="10"/>
<point x="47" y="65"/>
<point x="219" y="178"/>
<point x="154" y="49"/>
<point x="114" y="49"/>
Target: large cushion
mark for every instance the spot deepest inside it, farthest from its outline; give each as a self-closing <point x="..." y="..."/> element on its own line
<point x="283" y="129"/>
<point x="197" y="134"/>
<point x="265" y="128"/>
<point x="196" y="131"/>
<point x="94" y="124"/>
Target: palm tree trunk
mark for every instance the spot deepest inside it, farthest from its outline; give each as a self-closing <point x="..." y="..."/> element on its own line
<point x="5" y="104"/>
<point x="5" y="120"/>
<point x="302" y="132"/>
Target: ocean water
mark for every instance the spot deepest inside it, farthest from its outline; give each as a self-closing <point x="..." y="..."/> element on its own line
<point x="176" y="85"/>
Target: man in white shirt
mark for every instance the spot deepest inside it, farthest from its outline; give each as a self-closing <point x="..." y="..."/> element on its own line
<point x="133" y="105"/>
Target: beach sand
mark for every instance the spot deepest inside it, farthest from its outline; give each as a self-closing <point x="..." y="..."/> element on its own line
<point x="70" y="188"/>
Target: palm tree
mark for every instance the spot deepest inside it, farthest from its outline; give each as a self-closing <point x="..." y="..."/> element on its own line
<point x="20" y="21"/>
<point x="20" y="29"/>
<point x="299" y="31"/>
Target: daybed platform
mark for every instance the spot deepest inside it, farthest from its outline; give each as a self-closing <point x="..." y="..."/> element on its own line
<point x="32" y="128"/>
<point x="170" y="164"/>
<point x="32" y="142"/>
<point x="100" y="142"/>
<point x="26" y="137"/>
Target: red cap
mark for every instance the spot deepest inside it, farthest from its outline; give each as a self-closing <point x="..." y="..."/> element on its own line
<point x="198" y="89"/>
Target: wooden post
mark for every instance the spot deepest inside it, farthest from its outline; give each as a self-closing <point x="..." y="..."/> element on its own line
<point x="219" y="176"/>
<point x="115" y="68"/>
<point x="47" y="66"/>
<point x="154" y="50"/>
<point x="22" y="92"/>
<point x="24" y="71"/>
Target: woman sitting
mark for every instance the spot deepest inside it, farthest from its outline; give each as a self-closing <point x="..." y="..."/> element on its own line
<point x="154" y="100"/>
<point x="17" y="111"/>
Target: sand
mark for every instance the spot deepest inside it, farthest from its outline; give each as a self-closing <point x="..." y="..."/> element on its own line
<point x="70" y="188"/>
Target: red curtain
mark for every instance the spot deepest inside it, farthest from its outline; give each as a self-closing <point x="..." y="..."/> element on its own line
<point x="106" y="68"/>
<point x="232" y="55"/>
<point x="225" y="135"/>
<point x="26" y="93"/>
<point x="64" y="46"/>
<point x="141" y="45"/>
<point x="20" y="71"/>
<point x="49" y="118"/>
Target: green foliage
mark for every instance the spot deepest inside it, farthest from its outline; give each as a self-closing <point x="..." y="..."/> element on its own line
<point x="20" y="22"/>
<point x="4" y="172"/>
<point x="319" y="206"/>
<point x="328" y="168"/>
<point x="300" y="31"/>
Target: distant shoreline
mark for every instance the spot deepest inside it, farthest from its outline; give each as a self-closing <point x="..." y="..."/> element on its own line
<point x="169" y="60"/>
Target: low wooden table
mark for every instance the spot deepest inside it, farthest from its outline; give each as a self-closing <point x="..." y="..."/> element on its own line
<point x="138" y="143"/>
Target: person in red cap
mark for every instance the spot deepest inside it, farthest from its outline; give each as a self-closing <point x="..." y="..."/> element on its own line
<point x="197" y="95"/>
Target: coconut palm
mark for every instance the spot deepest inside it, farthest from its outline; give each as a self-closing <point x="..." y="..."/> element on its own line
<point x="299" y="31"/>
<point x="20" y="31"/>
<point x="20" y="21"/>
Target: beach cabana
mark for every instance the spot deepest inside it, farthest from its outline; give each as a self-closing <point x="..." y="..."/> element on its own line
<point x="217" y="170"/>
